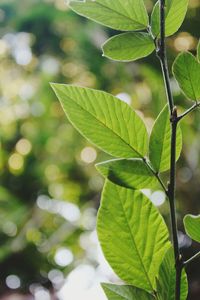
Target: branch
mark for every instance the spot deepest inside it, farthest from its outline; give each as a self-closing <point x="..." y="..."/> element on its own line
<point x="197" y="255"/>
<point x="161" y="53"/>
<point x="172" y="184"/>
<point x="171" y="189"/>
<point x="192" y="108"/>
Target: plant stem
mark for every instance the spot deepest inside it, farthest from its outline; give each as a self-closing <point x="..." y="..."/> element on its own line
<point x="197" y="255"/>
<point x="193" y="107"/>
<point x="172" y="187"/>
<point x="161" y="52"/>
<point x="178" y="281"/>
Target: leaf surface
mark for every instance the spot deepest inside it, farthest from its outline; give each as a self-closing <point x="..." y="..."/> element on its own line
<point x="125" y="292"/>
<point x="132" y="234"/>
<point x="128" y="46"/>
<point x="174" y="15"/>
<point x="167" y="278"/>
<point x="198" y="51"/>
<point x="130" y="173"/>
<point x="160" y="142"/>
<point x="103" y="119"/>
<point x="118" y="14"/>
<point x="186" y="70"/>
<point x="192" y="227"/>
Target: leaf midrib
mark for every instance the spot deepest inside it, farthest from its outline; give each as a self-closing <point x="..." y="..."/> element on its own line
<point x="189" y="75"/>
<point x="117" y="293"/>
<point x="162" y="146"/>
<point x="127" y="17"/>
<point x="104" y="125"/>
<point x="171" y="283"/>
<point x="127" y="47"/>
<point x="132" y="238"/>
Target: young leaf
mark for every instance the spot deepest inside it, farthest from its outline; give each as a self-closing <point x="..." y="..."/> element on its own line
<point x="128" y="46"/>
<point x="125" y="292"/>
<point x="104" y="120"/>
<point x="118" y="14"/>
<point x="167" y="279"/>
<point x="130" y="173"/>
<point x="186" y="70"/>
<point x="159" y="145"/>
<point x="198" y="52"/>
<point x="192" y="227"/>
<point x="174" y="15"/>
<point x="132" y="234"/>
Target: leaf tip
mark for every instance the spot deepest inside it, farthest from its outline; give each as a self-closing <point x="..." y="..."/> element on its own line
<point x="55" y="86"/>
<point x="52" y="84"/>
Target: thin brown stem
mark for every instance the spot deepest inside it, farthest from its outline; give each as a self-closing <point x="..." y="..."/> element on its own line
<point x="172" y="185"/>
<point x="161" y="53"/>
<point x="188" y="111"/>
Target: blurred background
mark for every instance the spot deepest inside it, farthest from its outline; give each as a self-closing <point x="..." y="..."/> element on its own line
<point x="49" y="188"/>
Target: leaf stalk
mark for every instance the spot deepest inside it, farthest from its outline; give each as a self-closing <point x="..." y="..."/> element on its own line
<point x="192" y="108"/>
<point x="187" y="262"/>
<point x="156" y="175"/>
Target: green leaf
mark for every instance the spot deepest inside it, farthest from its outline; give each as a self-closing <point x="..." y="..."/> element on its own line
<point x="128" y="46"/>
<point x="104" y="120"/>
<point x="159" y="145"/>
<point x="125" y="292"/>
<point x="198" y="51"/>
<point x="119" y="14"/>
<point x="130" y="173"/>
<point x="186" y="70"/>
<point x="174" y="15"/>
<point x="192" y="227"/>
<point x="167" y="278"/>
<point x="132" y="234"/>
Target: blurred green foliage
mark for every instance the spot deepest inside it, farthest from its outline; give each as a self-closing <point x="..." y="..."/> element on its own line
<point x="49" y="188"/>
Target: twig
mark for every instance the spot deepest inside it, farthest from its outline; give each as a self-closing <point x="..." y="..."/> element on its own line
<point x="197" y="255"/>
<point x="161" y="53"/>
<point x="192" y="108"/>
